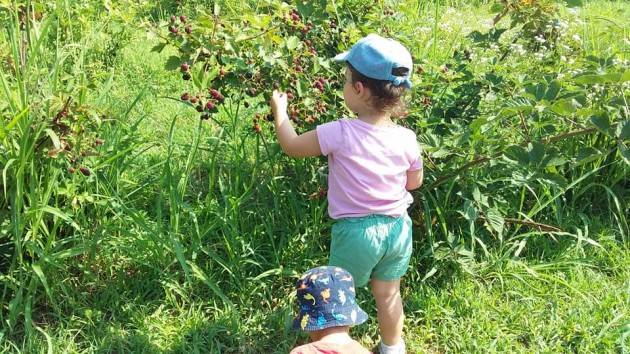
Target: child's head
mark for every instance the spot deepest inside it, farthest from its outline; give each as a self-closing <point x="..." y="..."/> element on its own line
<point x="326" y="298"/>
<point x="377" y="75"/>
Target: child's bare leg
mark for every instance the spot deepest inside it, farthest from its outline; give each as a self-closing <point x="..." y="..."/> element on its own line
<point x="390" y="310"/>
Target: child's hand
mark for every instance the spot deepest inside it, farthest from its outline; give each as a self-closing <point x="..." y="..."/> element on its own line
<point x="278" y="102"/>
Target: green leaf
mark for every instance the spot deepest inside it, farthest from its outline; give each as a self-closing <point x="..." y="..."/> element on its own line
<point x="536" y="152"/>
<point x="625" y="153"/>
<point x="565" y="107"/>
<point x="623" y="130"/>
<point x="54" y="138"/>
<point x="601" y="122"/>
<point x="496" y="8"/>
<point x="292" y="42"/>
<point x="470" y="212"/>
<point x="173" y="63"/>
<point x="552" y="90"/>
<point x="587" y="154"/>
<point x="495" y="220"/>
<point x="158" y="48"/>
<point x="518" y="154"/>
<point x="40" y="274"/>
<point x="574" y="3"/>
<point x="590" y="79"/>
<point x="12" y="123"/>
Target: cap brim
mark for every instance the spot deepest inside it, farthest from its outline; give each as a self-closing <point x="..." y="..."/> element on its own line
<point x="341" y="57"/>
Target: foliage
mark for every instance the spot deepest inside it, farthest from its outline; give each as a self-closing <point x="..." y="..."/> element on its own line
<point x="120" y="207"/>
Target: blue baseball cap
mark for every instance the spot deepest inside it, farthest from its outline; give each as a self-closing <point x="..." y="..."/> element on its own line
<point x="376" y="57"/>
<point x="326" y="297"/>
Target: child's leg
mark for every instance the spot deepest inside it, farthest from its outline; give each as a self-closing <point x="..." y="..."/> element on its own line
<point x="390" y="310"/>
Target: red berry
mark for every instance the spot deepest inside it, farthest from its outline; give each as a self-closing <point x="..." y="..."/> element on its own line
<point x="188" y="29"/>
<point x="182" y="18"/>
<point x="85" y="171"/>
<point x="184" y="67"/>
<point x="289" y="96"/>
<point x="209" y="105"/>
<point x="299" y="68"/>
<point x="185" y="96"/>
<point x="214" y="93"/>
<point x="194" y="100"/>
<point x="173" y="29"/>
<point x="257" y="128"/>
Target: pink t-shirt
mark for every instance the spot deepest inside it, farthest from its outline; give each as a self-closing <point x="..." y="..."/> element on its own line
<point x="367" y="167"/>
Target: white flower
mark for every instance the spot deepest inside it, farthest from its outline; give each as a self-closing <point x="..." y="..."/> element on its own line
<point x="539" y="39"/>
<point x="563" y="58"/>
<point x="576" y="37"/>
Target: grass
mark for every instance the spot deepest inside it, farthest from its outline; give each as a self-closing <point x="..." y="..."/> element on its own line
<point x="191" y="234"/>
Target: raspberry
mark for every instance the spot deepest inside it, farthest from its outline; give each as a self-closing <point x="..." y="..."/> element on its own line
<point x="182" y="18"/>
<point x="209" y="105"/>
<point x="185" y="96"/>
<point x="173" y="29"/>
<point x="184" y="67"/>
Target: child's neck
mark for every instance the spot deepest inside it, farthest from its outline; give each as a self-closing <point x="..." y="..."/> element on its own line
<point x="375" y="118"/>
<point x="336" y="335"/>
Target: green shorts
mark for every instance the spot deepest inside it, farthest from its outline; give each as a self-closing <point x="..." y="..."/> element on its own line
<point x="374" y="246"/>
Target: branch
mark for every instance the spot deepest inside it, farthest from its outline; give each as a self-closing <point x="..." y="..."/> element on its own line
<point x="483" y="159"/>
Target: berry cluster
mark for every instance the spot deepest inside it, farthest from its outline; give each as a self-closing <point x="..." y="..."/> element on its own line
<point x="174" y="28"/>
<point x="211" y="102"/>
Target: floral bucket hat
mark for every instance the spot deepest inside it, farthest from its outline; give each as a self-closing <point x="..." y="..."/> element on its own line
<point x="326" y="297"/>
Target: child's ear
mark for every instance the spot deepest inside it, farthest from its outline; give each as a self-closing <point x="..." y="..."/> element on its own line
<point x="358" y="87"/>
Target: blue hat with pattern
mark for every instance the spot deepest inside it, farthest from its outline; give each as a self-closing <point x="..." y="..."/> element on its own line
<point x="376" y="57"/>
<point x="326" y="298"/>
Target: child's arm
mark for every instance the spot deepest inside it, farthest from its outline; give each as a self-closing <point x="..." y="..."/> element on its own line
<point x="294" y="145"/>
<point x="414" y="179"/>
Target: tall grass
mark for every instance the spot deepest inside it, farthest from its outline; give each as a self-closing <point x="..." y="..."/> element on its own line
<point x="192" y="242"/>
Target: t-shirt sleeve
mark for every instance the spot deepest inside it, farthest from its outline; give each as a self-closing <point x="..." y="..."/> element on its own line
<point x="329" y="136"/>
<point x="415" y="161"/>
